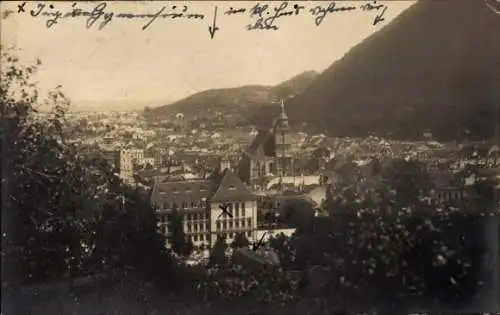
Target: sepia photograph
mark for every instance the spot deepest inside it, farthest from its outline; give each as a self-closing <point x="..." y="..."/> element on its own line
<point x="250" y="157"/>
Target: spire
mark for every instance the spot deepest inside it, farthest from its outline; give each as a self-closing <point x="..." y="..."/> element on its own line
<point x="283" y="112"/>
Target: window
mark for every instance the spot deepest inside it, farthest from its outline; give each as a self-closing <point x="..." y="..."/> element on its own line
<point x="243" y="209"/>
<point x="242" y="223"/>
<point x="231" y="225"/>
<point x="249" y="234"/>
<point x="237" y="224"/>
<point x="195" y="238"/>
<point x="231" y="235"/>
<point x="206" y="226"/>
<point x="188" y="217"/>
<point x="174" y="205"/>
<point x="218" y="225"/>
<point x="165" y="205"/>
<point x="189" y="228"/>
<point x="249" y="222"/>
<point x="195" y="227"/>
<point x="224" y="225"/>
<point x="237" y="209"/>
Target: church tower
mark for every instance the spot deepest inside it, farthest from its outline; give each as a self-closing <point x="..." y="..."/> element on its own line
<point x="282" y="140"/>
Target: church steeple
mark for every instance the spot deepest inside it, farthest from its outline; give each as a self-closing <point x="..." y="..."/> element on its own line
<point x="281" y="123"/>
<point x="282" y="140"/>
<point x="283" y="112"/>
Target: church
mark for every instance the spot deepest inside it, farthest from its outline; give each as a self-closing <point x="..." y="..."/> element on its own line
<point x="269" y="155"/>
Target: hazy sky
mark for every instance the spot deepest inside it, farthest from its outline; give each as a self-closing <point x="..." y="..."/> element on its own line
<point x="174" y="58"/>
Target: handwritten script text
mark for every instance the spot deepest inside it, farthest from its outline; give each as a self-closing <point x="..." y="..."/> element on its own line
<point x="262" y="16"/>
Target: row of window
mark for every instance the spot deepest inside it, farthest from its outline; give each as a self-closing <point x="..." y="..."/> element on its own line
<point x="184" y="205"/>
<point x="232" y="235"/>
<point x="233" y="224"/>
<point x="236" y="209"/>
<point x="197" y="227"/>
<point x="220" y="225"/>
<point x="450" y="195"/>
<point x="196" y="216"/>
<point x="201" y="237"/>
<point x="187" y="217"/>
<point x="206" y="237"/>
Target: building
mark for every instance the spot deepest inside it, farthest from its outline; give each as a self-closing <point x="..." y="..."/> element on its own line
<point x="126" y="162"/>
<point x="269" y="155"/>
<point x="481" y="155"/>
<point x="218" y="207"/>
<point x="154" y="157"/>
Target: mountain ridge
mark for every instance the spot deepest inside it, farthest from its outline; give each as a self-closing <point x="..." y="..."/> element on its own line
<point x="421" y="73"/>
<point x="243" y="99"/>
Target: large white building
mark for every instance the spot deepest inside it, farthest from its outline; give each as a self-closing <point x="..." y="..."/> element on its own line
<point x="201" y="204"/>
<point x="126" y="159"/>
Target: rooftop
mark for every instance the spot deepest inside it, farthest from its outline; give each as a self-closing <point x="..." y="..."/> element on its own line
<point x="225" y="186"/>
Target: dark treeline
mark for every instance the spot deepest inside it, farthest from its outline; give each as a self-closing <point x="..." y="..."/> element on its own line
<point x="388" y="251"/>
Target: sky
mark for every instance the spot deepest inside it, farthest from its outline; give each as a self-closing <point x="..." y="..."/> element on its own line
<point x="172" y="59"/>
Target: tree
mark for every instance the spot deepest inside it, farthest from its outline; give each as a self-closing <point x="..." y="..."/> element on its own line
<point x="44" y="181"/>
<point x="64" y="214"/>
<point x="177" y="238"/>
<point x="395" y="248"/>
<point x="318" y="157"/>
<point x="218" y="253"/>
<point x="129" y="240"/>
<point x="281" y="244"/>
<point x="387" y="250"/>
<point x="240" y="240"/>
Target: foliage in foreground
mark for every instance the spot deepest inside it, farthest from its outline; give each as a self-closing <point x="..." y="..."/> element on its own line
<point x="388" y="250"/>
<point x="64" y="214"/>
<point x="232" y="283"/>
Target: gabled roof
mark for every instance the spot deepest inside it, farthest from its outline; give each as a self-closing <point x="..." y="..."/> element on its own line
<point x="223" y="187"/>
<point x="264" y="139"/>
<point x="179" y="191"/>
<point x="227" y="186"/>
